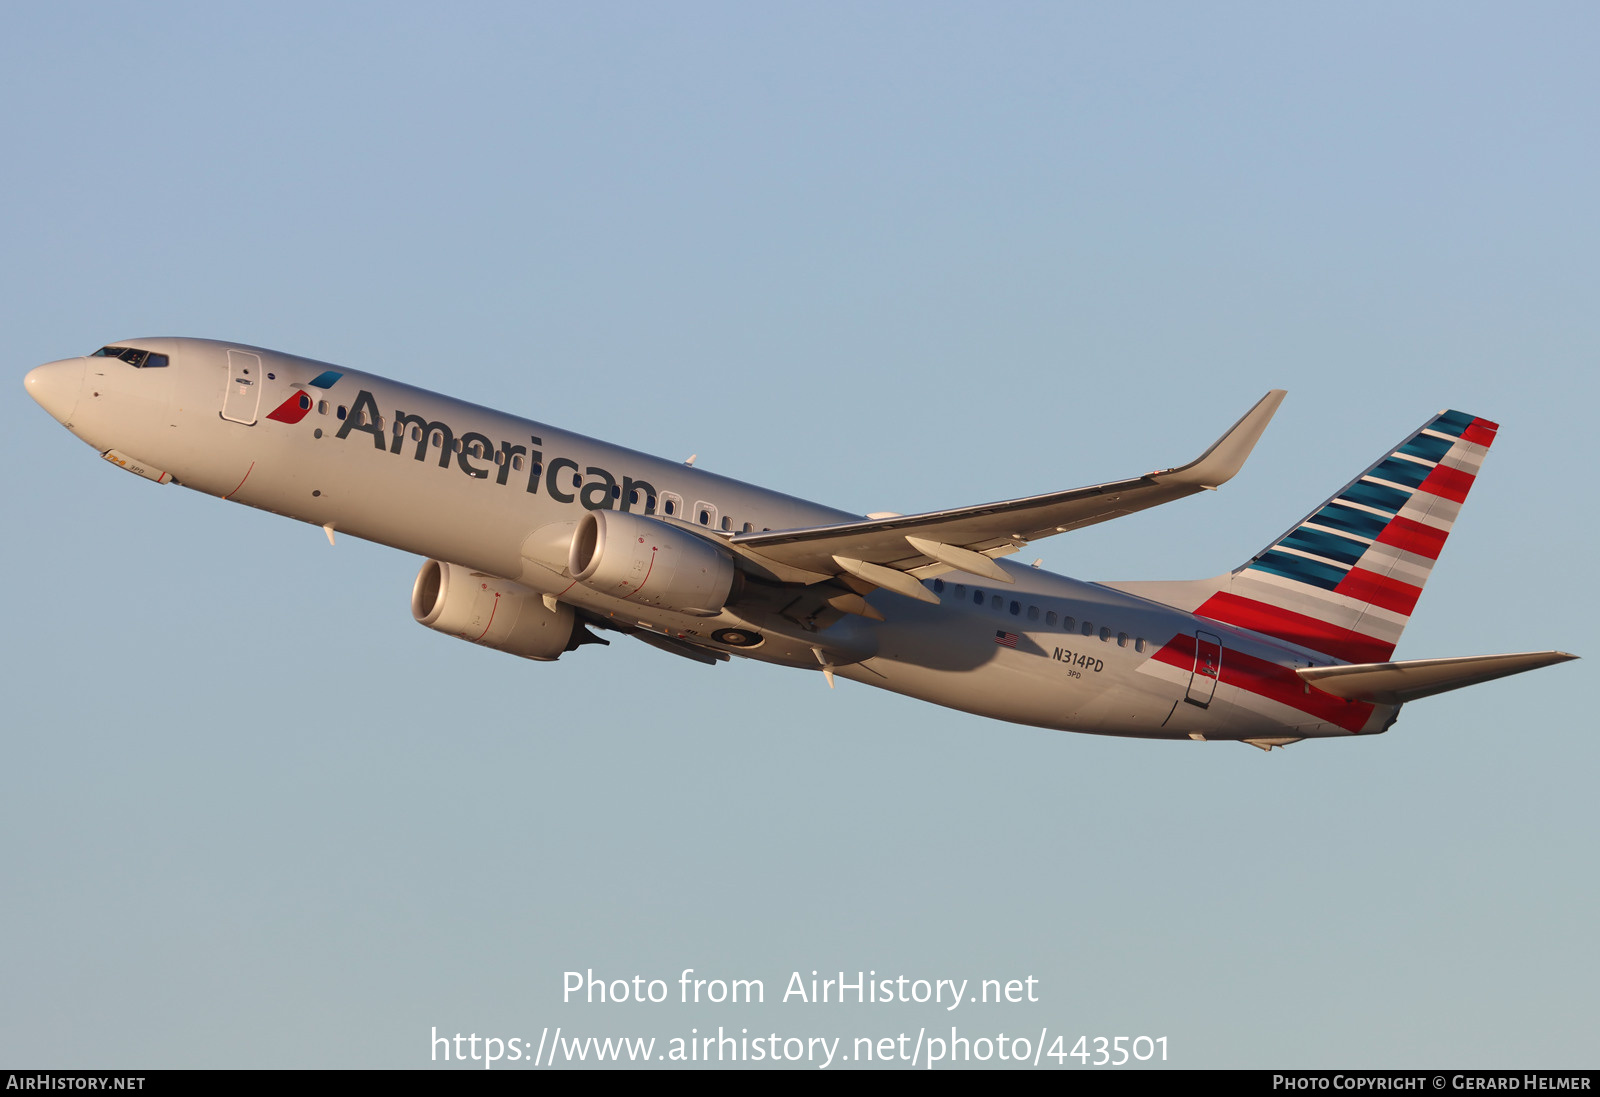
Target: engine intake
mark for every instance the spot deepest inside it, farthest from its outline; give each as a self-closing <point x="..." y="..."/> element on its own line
<point x="470" y="605"/>
<point x="651" y="563"/>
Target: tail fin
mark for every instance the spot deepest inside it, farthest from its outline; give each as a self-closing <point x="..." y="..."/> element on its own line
<point x="1344" y="580"/>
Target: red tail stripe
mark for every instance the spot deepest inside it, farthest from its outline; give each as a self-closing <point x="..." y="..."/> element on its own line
<point x="1424" y="540"/>
<point x="1369" y="586"/>
<point x="1480" y="432"/>
<point x="1448" y="483"/>
<point x="1274" y="682"/>
<point x="1297" y="628"/>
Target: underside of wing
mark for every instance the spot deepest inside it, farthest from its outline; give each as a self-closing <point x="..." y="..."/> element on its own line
<point x="677" y="646"/>
<point x="890" y="551"/>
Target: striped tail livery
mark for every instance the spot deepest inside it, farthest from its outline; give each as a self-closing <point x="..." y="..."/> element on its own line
<point x="1342" y="584"/>
<point x="1345" y="579"/>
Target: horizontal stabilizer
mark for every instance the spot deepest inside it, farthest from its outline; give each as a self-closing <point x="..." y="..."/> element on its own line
<point x="1397" y="683"/>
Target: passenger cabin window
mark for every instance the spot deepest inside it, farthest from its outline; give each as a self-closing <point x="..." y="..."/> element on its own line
<point x="1050" y="618"/>
<point x="1033" y="613"/>
<point x="1105" y="633"/>
<point x="1016" y="608"/>
<point x="1088" y="629"/>
<point x="977" y="597"/>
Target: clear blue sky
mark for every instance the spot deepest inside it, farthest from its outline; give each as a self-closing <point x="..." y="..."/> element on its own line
<point x="888" y="256"/>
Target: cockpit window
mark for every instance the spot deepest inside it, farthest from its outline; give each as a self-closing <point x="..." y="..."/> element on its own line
<point x="138" y="359"/>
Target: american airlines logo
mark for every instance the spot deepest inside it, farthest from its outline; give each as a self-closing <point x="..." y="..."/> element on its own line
<point x="602" y="491"/>
<point x="294" y="409"/>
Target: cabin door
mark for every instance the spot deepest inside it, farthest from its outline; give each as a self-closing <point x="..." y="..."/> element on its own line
<point x="242" y="396"/>
<point x="1207" y="669"/>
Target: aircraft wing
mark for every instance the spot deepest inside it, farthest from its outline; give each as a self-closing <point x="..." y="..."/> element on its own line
<point x="888" y="552"/>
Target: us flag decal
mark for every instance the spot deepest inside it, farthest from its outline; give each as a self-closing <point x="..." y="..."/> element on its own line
<point x="1005" y="639"/>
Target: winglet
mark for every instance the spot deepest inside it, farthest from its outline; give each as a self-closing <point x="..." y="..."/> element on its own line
<point x="1218" y="464"/>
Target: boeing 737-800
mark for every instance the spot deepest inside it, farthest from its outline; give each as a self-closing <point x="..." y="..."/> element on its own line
<point x="536" y="536"/>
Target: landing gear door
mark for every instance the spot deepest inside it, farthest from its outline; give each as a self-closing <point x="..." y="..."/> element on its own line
<point x="242" y="395"/>
<point x="1207" y="669"/>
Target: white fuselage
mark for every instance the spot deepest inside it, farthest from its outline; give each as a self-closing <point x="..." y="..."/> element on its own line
<point x="461" y="483"/>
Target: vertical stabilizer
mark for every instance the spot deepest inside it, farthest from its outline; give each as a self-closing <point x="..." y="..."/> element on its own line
<point x="1345" y="579"/>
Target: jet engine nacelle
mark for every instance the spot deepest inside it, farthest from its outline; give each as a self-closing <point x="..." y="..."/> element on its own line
<point x="651" y="563"/>
<point x="470" y="605"/>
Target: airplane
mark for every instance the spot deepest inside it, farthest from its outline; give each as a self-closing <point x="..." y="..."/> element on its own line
<point x="537" y="539"/>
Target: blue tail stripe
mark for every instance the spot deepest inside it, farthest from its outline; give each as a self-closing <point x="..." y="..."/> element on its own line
<point x="1376" y="495"/>
<point x="1400" y="471"/>
<point x="1451" y="422"/>
<point x="1331" y="545"/>
<point x="1359" y="522"/>
<point x="1427" y="447"/>
<point x="1326" y="576"/>
<point x="326" y="379"/>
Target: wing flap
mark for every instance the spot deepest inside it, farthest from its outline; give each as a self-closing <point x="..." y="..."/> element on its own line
<point x="1397" y="683"/>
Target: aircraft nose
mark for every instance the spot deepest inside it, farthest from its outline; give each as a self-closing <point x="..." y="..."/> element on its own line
<point x="56" y="385"/>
